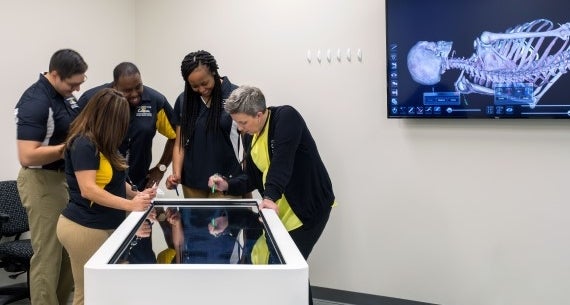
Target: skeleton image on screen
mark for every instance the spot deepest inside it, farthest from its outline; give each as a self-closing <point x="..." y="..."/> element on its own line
<point x="521" y="63"/>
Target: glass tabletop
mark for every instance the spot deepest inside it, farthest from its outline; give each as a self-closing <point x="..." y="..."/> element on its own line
<point x="200" y="232"/>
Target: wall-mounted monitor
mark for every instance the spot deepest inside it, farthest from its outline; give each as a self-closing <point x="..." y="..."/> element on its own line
<point x="478" y="59"/>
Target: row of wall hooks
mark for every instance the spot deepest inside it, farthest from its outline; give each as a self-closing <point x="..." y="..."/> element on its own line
<point x="331" y="55"/>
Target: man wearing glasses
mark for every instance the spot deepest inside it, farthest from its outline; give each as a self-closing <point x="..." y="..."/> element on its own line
<point x="43" y="115"/>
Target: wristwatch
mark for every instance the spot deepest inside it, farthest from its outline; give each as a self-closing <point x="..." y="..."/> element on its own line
<point x="162" y="168"/>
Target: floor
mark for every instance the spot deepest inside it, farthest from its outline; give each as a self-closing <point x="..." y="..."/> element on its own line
<point x="27" y="302"/>
<point x="316" y="302"/>
<point x="5" y="280"/>
<point x="325" y="302"/>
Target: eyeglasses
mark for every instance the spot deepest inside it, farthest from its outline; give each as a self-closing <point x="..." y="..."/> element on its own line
<point x="75" y="84"/>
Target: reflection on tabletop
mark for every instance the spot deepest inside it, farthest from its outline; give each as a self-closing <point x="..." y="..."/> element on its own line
<point x="225" y="234"/>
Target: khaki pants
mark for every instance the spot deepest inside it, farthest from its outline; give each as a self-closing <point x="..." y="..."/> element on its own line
<point x="44" y="194"/>
<point x="81" y="243"/>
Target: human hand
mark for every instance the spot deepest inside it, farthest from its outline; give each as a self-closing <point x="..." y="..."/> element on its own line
<point x="173" y="216"/>
<point x="154" y="175"/>
<point x="218" y="225"/>
<point x="172" y="181"/>
<point x="145" y="229"/>
<point x="267" y="203"/>
<point x="141" y="202"/>
<point x="151" y="191"/>
<point x="160" y="213"/>
<point x="152" y="215"/>
<point x="217" y="182"/>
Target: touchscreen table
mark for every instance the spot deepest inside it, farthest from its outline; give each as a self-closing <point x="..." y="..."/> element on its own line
<point x="214" y="251"/>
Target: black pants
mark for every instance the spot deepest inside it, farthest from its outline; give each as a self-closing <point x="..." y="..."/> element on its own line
<point x="306" y="238"/>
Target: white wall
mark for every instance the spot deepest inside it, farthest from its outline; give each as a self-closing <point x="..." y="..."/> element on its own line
<point x="450" y="212"/>
<point x="103" y="32"/>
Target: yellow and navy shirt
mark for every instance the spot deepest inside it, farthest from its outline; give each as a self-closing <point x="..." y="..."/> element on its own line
<point x="152" y="114"/>
<point x="83" y="155"/>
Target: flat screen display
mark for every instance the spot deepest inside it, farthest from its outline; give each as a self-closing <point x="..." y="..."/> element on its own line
<point x="478" y="59"/>
<point x="202" y="232"/>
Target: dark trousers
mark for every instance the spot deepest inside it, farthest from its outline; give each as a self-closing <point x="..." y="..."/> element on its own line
<point x="306" y="238"/>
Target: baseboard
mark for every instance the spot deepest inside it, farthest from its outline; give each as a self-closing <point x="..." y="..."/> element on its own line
<point x="356" y="298"/>
<point x="14" y="292"/>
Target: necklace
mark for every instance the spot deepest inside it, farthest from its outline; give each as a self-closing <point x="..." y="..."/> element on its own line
<point x="207" y="102"/>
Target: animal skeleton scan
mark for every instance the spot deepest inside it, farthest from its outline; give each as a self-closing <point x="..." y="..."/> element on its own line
<point x="495" y="59"/>
<point x="519" y="65"/>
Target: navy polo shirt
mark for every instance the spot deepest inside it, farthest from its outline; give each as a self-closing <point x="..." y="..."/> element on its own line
<point x="152" y="114"/>
<point x="43" y="115"/>
<point x="82" y="154"/>
<point x="207" y="152"/>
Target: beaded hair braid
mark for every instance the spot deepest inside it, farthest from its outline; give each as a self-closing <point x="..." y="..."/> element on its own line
<point x="191" y="100"/>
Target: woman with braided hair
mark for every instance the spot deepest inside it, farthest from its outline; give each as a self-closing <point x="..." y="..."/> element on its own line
<point x="203" y="147"/>
<point x="207" y="139"/>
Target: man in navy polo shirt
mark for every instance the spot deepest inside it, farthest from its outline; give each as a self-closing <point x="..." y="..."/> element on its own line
<point x="150" y="112"/>
<point x="43" y="115"/>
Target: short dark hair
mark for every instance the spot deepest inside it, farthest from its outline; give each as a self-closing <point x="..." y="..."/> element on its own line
<point x="66" y="63"/>
<point x="124" y="69"/>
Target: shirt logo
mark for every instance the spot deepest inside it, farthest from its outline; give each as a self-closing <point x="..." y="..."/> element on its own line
<point x="72" y="101"/>
<point x="144" y="110"/>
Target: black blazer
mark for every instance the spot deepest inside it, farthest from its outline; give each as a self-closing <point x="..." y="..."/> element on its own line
<point x="296" y="169"/>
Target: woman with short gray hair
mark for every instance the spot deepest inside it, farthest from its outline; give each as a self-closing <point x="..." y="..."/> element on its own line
<point x="283" y="163"/>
